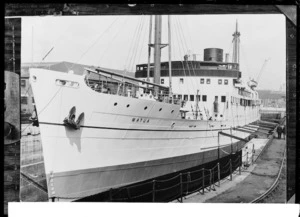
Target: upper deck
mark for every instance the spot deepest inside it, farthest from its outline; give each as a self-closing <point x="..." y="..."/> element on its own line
<point x="192" y="68"/>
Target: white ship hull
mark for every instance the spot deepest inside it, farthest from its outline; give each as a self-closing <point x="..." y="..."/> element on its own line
<point x="122" y="140"/>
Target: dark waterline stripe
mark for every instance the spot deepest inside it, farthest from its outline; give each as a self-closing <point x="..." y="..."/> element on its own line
<point x="111" y="128"/>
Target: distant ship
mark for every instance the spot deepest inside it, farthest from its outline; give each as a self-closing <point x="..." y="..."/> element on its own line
<point x="126" y="130"/>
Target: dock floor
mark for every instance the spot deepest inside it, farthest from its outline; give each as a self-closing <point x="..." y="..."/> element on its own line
<point x="252" y="182"/>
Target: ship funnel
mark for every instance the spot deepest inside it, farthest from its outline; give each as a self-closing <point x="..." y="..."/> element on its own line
<point x="213" y="54"/>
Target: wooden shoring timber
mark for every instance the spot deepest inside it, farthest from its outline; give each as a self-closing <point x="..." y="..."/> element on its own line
<point x="243" y="130"/>
<point x="257" y="127"/>
<point x="30" y="180"/>
<point x="256" y="130"/>
<point x="232" y="136"/>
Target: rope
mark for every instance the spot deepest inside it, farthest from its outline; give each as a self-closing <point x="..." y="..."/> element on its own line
<point x="95" y="42"/>
<point x="44" y="107"/>
<point x="165" y="180"/>
<point x="141" y="195"/>
<point x="164" y="189"/>
<point x="110" y="42"/>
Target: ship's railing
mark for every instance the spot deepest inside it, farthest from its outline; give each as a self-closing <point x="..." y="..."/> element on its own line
<point x="178" y="185"/>
<point x="132" y="90"/>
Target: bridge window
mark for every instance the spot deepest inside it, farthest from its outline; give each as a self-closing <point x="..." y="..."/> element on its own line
<point x="181" y="81"/>
<point x="219" y="81"/>
<point x="208" y="81"/>
<point x="186" y="97"/>
<point x="202" y="81"/>
<point x="162" y="81"/>
<point x="223" y="98"/>
<point x="192" y="97"/>
<point x="204" y="98"/>
<point x="179" y="96"/>
<point x="226" y="81"/>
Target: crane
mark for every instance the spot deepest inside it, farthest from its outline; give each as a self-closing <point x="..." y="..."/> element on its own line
<point x="262" y="69"/>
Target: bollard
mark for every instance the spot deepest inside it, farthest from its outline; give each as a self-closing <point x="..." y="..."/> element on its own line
<point x="219" y="173"/>
<point x="203" y="181"/>
<point x="181" y="187"/>
<point x="153" y="191"/>
<point x="230" y="167"/>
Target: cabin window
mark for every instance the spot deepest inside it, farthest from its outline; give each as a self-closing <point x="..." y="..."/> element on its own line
<point x="181" y="81"/>
<point x="186" y="97"/>
<point x="24" y="100"/>
<point x="204" y="98"/>
<point x="23" y="83"/>
<point x="202" y="81"/>
<point x="198" y="98"/>
<point x="192" y="97"/>
<point x="162" y="81"/>
<point x="219" y="81"/>
<point x="223" y="98"/>
<point x="226" y="82"/>
<point x="208" y="81"/>
<point x="180" y="96"/>
<point x="32" y="100"/>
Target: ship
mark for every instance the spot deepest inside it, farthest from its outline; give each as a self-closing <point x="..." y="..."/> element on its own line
<point x="123" y="130"/>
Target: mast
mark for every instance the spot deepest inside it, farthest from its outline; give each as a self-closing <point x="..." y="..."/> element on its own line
<point x="236" y="45"/>
<point x="157" y="52"/>
<point x="149" y="48"/>
<point x="170" y="65"/>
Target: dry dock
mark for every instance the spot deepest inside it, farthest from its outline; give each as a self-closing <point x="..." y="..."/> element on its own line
<point x="252" y="182"/>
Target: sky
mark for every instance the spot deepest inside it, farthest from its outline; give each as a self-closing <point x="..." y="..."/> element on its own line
<point x="121" y="42"/>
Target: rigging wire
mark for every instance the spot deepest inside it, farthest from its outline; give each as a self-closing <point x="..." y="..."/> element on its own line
<point x="143" y="40"/>
<point x="179" y="51"/>
<point x="110" y="42"/>
<point x="199" y="87"/>
<point x="95" y="42"/>
<point x="131" y="66"/>
<point x="132" y="44"/>
<point x="44" y="107"/>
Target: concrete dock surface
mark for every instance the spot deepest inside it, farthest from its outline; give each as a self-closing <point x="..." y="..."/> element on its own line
<point x="252" y="182"/>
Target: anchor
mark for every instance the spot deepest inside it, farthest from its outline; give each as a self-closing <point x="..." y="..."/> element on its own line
<point x="70" y="120"/>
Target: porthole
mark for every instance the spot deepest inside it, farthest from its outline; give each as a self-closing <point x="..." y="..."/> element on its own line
<point x="148" y="121"/>
<point x="145" y="108"/>
<point x="172" y="111"/>
<point x="216" y="115"/>
<point x="127" y="105"/>
<point x="115" y="104"/>
<point x="221" y="116"/>
<point x="133" y="119"/>
<point x="160" y="109"/>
